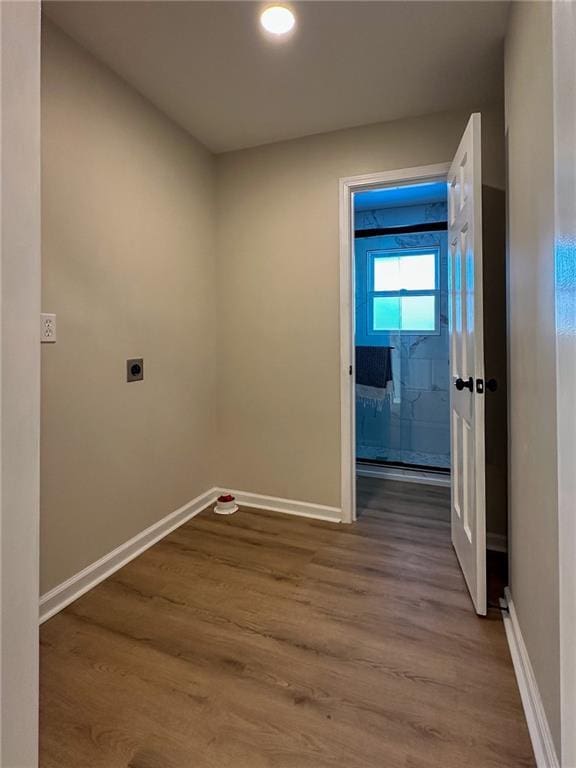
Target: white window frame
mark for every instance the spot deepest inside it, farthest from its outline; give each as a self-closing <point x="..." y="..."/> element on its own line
<point x="371" y="294"/>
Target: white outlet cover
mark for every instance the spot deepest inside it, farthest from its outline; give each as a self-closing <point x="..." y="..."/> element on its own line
<point x="47" y="328"/>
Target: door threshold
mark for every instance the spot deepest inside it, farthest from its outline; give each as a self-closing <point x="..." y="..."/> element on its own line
<point x="422" y="476"/>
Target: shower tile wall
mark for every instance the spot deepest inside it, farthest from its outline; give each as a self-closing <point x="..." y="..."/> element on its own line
<point x="413" y="426"/>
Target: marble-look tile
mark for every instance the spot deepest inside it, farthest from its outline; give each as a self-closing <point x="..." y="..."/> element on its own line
<point x="415" y="373"/>
<point x="441" y="375"/>
<point x="444" y="313"/>
<point x="377" y="427"/>
<point x="426" y="406"/>
<point x="425" y="437"/>
<point x="401" y="216"/>
<point x="429" y="347"/>
<point x="423" y="240"/>
<point x="436" y="211"/>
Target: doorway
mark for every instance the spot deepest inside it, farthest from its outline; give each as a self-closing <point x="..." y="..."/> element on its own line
<point x="402" y="366"/>
<point x="350" y="189"/>
<point x="391" y="291"/>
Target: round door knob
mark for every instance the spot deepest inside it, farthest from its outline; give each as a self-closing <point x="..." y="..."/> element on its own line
<point x="464" y="384"/>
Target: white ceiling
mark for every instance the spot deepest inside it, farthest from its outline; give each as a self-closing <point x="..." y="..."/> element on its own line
<point x="208" y="67"/>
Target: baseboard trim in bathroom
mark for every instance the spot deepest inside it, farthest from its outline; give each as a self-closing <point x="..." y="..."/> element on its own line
<point x="424" y="477"/>
<point x="62" y="595"/>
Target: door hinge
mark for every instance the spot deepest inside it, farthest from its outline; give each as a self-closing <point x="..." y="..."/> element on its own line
<point x="350" y="371"/>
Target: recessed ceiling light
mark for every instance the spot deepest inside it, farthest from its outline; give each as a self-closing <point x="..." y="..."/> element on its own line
<point x="277" y="19"/>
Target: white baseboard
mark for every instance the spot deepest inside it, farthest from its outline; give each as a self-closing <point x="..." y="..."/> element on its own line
<point x="58" y="598"/>
<point x="287" y="506"/>
<point x="538" y="727"/>
<point x="496" y="542"/>
<point x="420" y="476"/>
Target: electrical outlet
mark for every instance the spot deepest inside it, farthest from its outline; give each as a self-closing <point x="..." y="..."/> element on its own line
<point x="135" y="369"/>
<point x="47" y="328"/>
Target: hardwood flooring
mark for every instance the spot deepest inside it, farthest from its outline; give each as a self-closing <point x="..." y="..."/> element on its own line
<point x="269" y="641"/>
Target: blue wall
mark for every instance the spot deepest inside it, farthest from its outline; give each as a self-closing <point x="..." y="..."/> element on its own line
<point x="413" y="426"/>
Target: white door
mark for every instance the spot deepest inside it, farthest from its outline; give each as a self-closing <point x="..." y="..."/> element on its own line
<point x="467" y="362"/>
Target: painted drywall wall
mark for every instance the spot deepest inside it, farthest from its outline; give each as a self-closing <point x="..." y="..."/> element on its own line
<point x="20" y="380"/>
<point x="564" y="45"/>
<point x="128" y="268"/>
<point x="532" y="364"/>
<point x="278" y="267"/>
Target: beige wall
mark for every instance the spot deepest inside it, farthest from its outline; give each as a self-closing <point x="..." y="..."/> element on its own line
<point x="564" y="42"/>
<point x="278" y="268"/>
<point x="128" y="267"/>
<point x="532" y="363"/>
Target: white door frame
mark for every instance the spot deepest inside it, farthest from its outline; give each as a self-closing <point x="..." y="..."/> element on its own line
<point x="348" y="186"/>
<point x="19" y="379"/>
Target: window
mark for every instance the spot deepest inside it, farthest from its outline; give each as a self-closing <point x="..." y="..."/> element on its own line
<point x="403" y="291"/>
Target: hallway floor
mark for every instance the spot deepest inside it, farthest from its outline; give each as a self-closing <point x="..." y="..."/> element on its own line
<point x="267" y="641"/>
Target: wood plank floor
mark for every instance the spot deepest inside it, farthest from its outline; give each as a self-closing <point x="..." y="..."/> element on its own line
<point x="268" y="641"/>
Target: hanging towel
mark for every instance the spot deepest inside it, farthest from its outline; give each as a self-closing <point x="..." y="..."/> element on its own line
<point x="396" y="367"/>
<point x="374" y="380"/>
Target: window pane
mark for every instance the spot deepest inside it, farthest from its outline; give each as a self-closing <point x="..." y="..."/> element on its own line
<point x="418" y="313"/>
<point x="410" y="272"/>
<point x="386" y="313"/>
<point x="418" y="272"/>
<point x="387" y="273"/>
